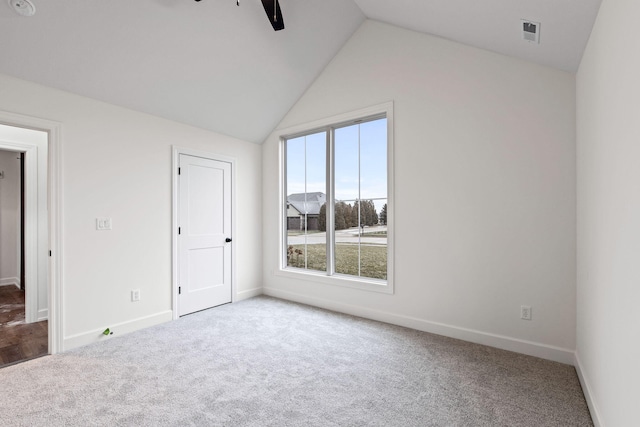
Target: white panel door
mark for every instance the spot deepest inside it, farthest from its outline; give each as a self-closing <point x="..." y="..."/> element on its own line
<point x="204" y="237"/>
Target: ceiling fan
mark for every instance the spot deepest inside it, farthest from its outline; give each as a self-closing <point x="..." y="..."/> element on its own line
<point x="272" y="9"/>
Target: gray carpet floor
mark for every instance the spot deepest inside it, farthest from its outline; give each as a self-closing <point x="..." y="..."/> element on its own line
<point x="269" y="362"/>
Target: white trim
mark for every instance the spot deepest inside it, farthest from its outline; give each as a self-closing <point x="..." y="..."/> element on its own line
<point x="118" y="329"/>
<point x="176" y="151"/>
<point x="56" y="243"/>
<point x="355" y="282"/>
<point x="43" y="314"/>
<point x="54" y="146"/>
<point x="334" y="120"/>
<point x="557" y="354"/>
<point x="249" y="293"/>
<point x="31" y="249"/>
<point x="9" y="281"/>
<point x="588" y="392"/>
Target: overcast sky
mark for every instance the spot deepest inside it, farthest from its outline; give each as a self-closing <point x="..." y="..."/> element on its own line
<point x="358" y="148"/>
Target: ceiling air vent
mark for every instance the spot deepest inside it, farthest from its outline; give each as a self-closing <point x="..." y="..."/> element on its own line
<point x="530" y="31"/>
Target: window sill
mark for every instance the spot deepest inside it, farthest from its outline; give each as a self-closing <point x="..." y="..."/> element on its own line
<point x="372" y="285"/>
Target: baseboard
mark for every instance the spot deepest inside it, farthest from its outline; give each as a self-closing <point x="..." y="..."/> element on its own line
<point x="7" y="281"/>
<point x="588" y="394"/>
<point x="118" y="329"/>
<point x="557" y="354"/>
<point x="249" y="293"/>
<point x="43" y="314"/>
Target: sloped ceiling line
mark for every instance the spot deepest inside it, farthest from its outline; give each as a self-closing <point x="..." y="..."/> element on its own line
<point x="213" y="65"/>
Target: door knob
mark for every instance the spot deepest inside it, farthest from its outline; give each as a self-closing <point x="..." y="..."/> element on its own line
<point x="228" y="239"/>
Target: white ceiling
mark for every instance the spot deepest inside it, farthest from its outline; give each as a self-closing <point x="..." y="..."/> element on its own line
<point x="495" y="24"/>
<point x="221" y="67"/>
<point x="210" y="64"/>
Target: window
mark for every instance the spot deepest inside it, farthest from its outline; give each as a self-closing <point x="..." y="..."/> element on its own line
<point x="336" y="210"/>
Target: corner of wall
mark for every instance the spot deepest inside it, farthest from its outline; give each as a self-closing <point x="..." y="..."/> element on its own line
<point x="96" y="335"/>
<point x="587" y="390"/>
<point x="535" y="349"/>
<point x="249" y="293"/>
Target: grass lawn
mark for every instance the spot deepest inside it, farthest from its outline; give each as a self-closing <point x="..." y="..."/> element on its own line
<point x="373" y="259"/>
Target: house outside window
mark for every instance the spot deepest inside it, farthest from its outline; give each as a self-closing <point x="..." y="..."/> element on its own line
<point x="303" y="210"/>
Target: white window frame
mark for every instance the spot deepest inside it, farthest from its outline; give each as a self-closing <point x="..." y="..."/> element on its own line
<point x="328" y="277"/>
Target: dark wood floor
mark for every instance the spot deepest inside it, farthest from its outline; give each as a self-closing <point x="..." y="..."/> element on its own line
<point x="19" y="341"/>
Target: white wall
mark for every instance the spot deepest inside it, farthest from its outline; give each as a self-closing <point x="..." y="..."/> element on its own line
<point x="608" y="153"/>
<point x="484" y="186"/>
<point x="10" y="219"/>
<point x="117" y="163"/>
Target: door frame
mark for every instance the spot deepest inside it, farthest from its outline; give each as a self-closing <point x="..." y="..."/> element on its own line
<point x="175" y="159"/>
<point x="55" y="215"/>
<point x="23" y="204"/>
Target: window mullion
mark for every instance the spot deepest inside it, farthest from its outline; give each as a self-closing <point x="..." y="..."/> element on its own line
<point x="285" y="225"/>
<point x="330" y="204"/>
<point x="360" y="225"/>
<point x="304" y="214"/>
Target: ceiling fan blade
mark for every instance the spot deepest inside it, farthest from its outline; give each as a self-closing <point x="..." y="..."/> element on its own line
<point x="272" y="8"/>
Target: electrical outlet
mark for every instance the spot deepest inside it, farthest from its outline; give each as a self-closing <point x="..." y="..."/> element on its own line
<point x="135" y="295"/>
<point x="525" y="312"/>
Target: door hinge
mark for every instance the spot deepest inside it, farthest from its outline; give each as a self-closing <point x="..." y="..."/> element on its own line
<point x="49" y="253"/>
<point x="179" y="290"/>
<point x="178" y="171"/>
<point x="179" y="230"/>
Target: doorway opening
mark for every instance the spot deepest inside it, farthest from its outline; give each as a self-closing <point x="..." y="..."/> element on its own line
<point x="22" y="336"/>
<point x="34" y="146"/>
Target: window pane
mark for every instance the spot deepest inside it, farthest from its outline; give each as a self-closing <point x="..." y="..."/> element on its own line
<point x="306" y="185"/>
<point x="362" y="251"/>
<point x="373" y="159"/>
<point x="346" y="167"/>
<point x="373" y="193"/>
<point x="361" y="196"/>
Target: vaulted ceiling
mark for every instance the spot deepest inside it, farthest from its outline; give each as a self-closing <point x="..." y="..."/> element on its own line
<point x="221" y="67"/>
